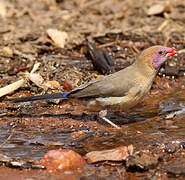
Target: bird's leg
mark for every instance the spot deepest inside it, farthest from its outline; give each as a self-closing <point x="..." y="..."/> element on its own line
<point x="102" y="115"/>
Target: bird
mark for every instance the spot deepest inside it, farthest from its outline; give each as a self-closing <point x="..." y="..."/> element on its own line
<point x="121" y="90"/>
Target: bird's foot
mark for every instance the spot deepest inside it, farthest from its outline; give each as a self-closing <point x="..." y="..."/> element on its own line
<point x="102" y="115"/>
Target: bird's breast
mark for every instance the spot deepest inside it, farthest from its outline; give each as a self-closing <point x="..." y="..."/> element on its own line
<point x="123" y="103"/>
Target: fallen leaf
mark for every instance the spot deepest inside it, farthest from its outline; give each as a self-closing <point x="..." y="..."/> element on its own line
<point x="59" y="37"/>
<point x="117" y="154"/>
<point x="8" y="52"/>
<point x="36" y="78"/>
<point x="159" y="8"/>
<point x="52" y="84"/>
<point x="62" y="159"/>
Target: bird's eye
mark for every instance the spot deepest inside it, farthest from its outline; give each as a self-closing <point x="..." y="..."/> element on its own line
<point x="160" y="52"/>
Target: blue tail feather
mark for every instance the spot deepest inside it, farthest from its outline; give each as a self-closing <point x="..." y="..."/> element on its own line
<point x="65" y="94"/>
<point x="62" y="95"/>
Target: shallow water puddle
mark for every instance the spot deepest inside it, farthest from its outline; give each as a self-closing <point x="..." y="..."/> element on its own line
<point x="145" y="121"/>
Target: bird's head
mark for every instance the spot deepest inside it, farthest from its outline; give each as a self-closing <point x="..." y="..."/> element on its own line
<point x="155" y="56"/>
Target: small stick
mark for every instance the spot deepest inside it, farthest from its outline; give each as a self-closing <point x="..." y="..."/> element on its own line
<point x="11" y="87"/>
<point x="163" y="25"/>
<point x="8" y="138"/>
<point x="102" y="115"/>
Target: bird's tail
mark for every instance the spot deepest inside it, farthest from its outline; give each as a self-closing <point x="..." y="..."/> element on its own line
<point x="62" y="95"/>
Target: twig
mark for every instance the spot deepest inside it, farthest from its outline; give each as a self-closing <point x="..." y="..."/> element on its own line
<point x="8" y="138"/>
<point x="11" y="87"/>
<point x="3" y="114"/>
<point x="111" y="123"/>
<point x="102" y="115"/>
<point x="163" y="25"/>
<point x="107" y="45"/>
<point x="25" y="56"/>
<point x="166" y="41"/>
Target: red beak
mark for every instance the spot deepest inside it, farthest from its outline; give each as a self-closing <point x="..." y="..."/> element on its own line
<point x="170" y="52"/>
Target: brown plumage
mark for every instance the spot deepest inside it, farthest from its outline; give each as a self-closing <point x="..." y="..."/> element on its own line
<point x="123" y="89"/>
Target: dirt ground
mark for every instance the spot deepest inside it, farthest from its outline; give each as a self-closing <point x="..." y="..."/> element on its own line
<point x="123" y="28"/>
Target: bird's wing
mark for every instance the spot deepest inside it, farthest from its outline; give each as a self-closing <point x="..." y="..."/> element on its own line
<point x="115" y="85"/>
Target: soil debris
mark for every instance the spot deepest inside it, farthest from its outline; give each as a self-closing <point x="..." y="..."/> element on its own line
<point x="142" y="161"/>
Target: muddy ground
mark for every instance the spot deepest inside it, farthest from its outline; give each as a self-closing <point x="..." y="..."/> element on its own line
<point x="123" y="28"/>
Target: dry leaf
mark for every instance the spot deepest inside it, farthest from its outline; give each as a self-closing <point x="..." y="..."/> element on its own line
<point x="117" y="154"/>
<point x="52" y="84"/>
<point x="8" y="52"/>
<point x="59" y="37"/>
<point x="37" y="79"/>
<point x="159" y="8"/>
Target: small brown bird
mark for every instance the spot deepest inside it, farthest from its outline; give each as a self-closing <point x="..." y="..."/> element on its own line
<point x="121" y="90"/>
